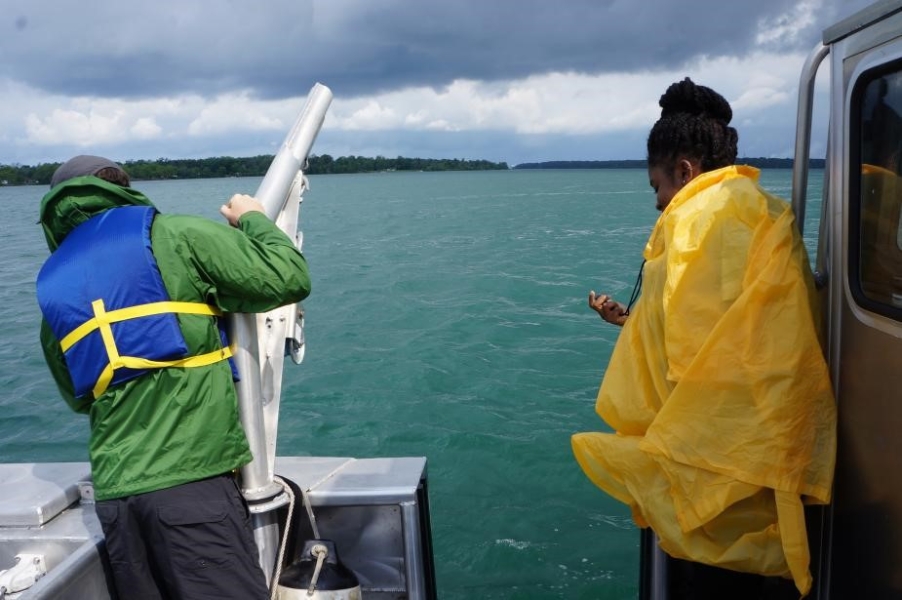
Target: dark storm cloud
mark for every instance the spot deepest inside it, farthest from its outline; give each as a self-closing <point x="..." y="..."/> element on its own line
<point x="277" y="48"/>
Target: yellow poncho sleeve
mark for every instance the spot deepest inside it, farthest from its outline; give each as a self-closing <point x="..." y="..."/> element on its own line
<point x="717" y="390"/>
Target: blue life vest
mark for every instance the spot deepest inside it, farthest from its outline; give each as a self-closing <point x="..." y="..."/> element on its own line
<point x="103" y="296"/>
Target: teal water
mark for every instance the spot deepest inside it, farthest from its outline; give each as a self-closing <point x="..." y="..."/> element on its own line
<point x="448" y="319"/>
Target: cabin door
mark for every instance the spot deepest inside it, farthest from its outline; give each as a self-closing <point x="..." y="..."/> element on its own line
<point x="861" y="548"/>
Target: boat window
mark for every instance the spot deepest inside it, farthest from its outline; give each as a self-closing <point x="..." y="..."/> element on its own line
<point x="876" y="193"/>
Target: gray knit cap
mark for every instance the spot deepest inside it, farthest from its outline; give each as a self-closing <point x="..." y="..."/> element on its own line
<point x="80" y="166"/>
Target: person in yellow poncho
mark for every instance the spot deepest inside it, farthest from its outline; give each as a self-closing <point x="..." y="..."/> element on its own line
<point x="717" y="390"/>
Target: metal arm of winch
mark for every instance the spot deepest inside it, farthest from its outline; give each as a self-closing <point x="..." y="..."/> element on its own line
<point x="261" y="340"/>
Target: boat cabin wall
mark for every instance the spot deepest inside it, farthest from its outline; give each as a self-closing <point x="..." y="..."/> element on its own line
<point x="858" y="541"/>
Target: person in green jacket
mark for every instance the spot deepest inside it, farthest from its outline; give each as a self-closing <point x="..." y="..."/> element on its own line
<point x="155" y="379"/>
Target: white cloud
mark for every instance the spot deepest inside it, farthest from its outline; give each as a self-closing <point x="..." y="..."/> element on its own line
<point x="760" y="87"/>
<point x="565" y="103"/>
<point x="75" y="127"/>
<point x="570" y="103"/>
<point x="788" y="27"/>
<point x="369" y="115"/>
<point x="760" y="81"/>
<point x="238" y="112"/>
<point x="85" y="122"/>
<point x="760" y="97"/>
<point x="146" y="128"/>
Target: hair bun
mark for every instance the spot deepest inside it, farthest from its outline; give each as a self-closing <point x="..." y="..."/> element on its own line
<point x="697" y="100"/>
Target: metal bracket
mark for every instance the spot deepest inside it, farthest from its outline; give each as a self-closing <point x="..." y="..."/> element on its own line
<point x="86" y="492"/>
<point x="24" y="574"/>
<point x="295" y="344"/>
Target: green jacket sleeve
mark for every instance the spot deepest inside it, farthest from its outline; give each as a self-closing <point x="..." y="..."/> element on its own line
<point x="252" y="268"/>
<point x="56" y="361"/>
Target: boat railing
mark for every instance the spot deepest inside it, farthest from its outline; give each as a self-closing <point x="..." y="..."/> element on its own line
<point x="803" y="132"/>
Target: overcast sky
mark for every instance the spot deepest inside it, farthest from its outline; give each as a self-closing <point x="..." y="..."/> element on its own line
<point x="504" y="80"/>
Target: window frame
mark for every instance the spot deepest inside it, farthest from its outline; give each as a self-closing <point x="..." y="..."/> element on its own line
<point x="855" y="186"/>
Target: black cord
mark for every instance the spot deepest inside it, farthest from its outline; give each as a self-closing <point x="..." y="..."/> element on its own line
<point x="637" y="288"/>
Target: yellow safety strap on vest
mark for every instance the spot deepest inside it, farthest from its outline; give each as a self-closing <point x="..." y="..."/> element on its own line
<point x="133" y="312"/>
<point x="103" y="320"/>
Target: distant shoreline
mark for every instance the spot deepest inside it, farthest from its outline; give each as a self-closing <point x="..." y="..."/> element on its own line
<point x="256" y="166"/>
<point x="760" y="162"/>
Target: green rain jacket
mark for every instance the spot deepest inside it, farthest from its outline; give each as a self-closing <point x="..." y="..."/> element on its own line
<point x="175" y="425"/>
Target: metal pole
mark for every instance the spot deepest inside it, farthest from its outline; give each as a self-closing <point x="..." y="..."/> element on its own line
<point x="262" y="370"/>
<point x="803" y="133"/>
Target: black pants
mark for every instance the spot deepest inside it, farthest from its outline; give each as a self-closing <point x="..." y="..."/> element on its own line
<point x="695" y="581"/>
<point x="191" y="541"/>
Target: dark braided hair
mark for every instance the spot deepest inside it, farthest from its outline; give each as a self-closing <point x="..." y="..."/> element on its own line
<point x="694" y="124"/>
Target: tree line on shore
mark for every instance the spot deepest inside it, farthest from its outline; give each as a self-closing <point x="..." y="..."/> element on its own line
<point x="254" y="166"/>
<point x="759" y="162"/>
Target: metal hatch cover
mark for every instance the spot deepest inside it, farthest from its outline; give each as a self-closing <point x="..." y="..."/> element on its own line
<point x="34" y="493"/>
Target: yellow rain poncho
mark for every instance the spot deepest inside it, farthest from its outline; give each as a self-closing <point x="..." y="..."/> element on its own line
<point x="717" y="389"/>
